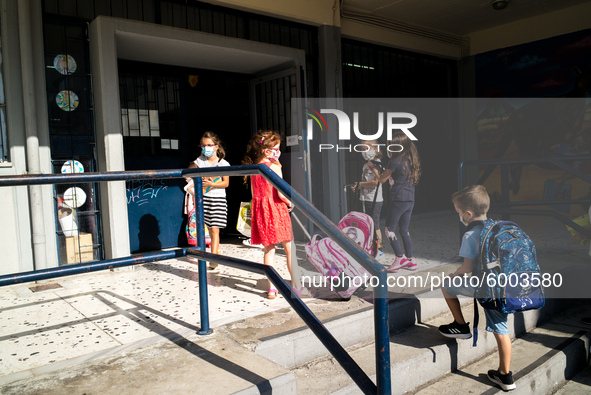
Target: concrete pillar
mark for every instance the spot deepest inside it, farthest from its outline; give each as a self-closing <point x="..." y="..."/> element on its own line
<point x="333" y="203"/>
<point x="36" y="132"/>
<point x="109" y="138"/>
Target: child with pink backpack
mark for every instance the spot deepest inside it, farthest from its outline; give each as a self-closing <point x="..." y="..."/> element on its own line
<point x="370" y="190"/>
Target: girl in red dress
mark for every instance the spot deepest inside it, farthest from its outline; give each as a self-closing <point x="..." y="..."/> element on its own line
<point x="270" y="221"/>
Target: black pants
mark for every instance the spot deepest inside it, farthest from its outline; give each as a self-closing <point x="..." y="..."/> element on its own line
<point x="399" y="216"/>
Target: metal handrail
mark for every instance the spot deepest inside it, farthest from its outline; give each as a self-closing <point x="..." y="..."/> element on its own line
<point x="381" y="314"/>
<point x="505" y="207"/>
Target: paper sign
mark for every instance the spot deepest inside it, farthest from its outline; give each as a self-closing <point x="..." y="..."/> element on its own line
<point x="291" y="140"/>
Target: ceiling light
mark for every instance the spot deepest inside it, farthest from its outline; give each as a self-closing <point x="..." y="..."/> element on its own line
<point x="499" y="4"/>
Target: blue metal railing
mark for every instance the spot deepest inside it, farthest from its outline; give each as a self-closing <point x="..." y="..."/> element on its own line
<point x="381" y="318"/>
<point x="505" y="207"/>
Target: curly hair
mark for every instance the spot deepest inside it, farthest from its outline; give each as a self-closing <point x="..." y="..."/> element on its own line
<point x="260" y="141"/>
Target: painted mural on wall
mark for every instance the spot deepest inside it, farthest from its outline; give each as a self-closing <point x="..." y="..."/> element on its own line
<point x="536" y="103"/>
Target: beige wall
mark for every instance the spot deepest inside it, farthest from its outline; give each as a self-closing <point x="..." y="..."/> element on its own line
<point x="569" y="20"/>
<point x="392" y="38"/>
<point x="327" y="12"/>
<point x="532" y="29"/>
<point x="313" y="12"/>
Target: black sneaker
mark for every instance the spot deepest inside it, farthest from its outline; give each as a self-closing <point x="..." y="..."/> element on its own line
<point x="505" y="381"/>
<point x="456" y="331"/>
<point x="586" y="320"/>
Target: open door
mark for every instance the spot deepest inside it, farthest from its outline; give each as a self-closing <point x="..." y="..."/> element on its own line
<point x="273" y="109"/>
<point x="271" y="102"/>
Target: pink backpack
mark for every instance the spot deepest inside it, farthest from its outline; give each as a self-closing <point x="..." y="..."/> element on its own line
<point x="359" y="227"/>
<point x="332" y="261"/>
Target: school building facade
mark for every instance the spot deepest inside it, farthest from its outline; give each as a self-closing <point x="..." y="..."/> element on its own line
<point x="104" y="85"/>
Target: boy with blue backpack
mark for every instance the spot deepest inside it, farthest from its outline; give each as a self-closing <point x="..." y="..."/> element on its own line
<point x="516" y="257"/>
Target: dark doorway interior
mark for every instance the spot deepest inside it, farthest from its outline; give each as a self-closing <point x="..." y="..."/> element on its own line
<point x="374" y="71"/>
<point x="179" y="105"/>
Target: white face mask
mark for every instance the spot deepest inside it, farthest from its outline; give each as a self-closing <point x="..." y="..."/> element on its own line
<point x="462" y="220"/>
<point x="369" y="154"/>
<point x="275" y="156"/>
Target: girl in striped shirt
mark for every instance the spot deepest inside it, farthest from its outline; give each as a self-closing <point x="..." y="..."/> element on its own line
<point x="215" y="207"/>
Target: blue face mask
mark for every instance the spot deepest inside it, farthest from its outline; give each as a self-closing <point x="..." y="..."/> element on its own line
<point x="207" y="151"/>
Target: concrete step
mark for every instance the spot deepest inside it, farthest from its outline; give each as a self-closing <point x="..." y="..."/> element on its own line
<point x="408" y="305"/>
<point x="580" y="384"/>
<point x="355" y="325"/>
<point x="542" y="360"/>
<point x="186" y="365"/>
<point x="217" y="364"/>
<point x="418" y="355"/>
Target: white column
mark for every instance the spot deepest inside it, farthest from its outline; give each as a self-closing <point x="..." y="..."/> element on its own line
<point x="109" y="138"/>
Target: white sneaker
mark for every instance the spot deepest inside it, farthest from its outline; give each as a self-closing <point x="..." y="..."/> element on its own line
<point x="380" y="254"/>
<point x="247" y="243"/>
<point x="399" y="263"/>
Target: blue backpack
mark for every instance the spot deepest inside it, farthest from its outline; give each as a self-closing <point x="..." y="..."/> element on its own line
<point x="511" y="279"/>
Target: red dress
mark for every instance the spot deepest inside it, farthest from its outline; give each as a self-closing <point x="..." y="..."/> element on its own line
<point x="270" y="222"/>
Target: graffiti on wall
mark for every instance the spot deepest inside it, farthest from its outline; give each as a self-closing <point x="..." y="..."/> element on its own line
<point x="141" y="192"/>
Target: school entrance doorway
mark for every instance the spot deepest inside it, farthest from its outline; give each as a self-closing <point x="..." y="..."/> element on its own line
<point x="223" y="63"/>
<point x="165" y="110"/>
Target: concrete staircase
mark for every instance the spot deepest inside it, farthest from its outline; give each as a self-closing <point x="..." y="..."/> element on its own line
<point x="425" y="362"/>
<point x="276" y="353"/>
<point x="549" y="347"/>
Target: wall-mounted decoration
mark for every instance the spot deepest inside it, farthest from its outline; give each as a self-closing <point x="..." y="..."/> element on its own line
<point x="74" y="197"/>
<point x="72" y="166"/>
<point x="67" y="100"/>
<point x="65" y="64"/>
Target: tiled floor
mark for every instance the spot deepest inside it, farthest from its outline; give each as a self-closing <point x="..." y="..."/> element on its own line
<point x="107" y="312"/>
<point x="100" y="311"/>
